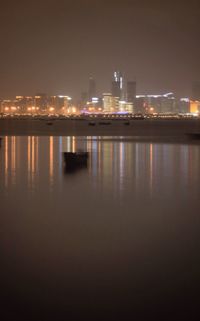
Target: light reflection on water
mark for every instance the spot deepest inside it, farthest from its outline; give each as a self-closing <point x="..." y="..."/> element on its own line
<point x="116" y="167"/>
<point x="124" y="227"/>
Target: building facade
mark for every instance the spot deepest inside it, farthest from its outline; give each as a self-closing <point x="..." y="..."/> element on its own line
<point x="110" y="103"/>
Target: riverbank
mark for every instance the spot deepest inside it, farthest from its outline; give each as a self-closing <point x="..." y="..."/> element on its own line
<point x="83" y="127"/>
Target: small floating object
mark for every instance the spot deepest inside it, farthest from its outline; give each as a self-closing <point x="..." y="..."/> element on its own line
<point x="1" y="140"/>
<point x="127" y="123"/>
<point x="75" y="160"/>
<point x="49" y="123"/>
<point x="91" y="123"/>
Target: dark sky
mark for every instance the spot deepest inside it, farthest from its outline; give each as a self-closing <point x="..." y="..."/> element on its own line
<point x="53" y="46"/>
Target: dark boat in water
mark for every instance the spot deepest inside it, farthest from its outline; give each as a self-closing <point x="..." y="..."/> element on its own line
<point x="75" y="160"/>
<point x="1" y="140"/>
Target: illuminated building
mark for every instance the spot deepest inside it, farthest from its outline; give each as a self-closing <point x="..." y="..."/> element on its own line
<point x="129" y="107"/>
<point x="9" y="106"/>
<point x="184" y="105"/>
<point x="41" y="103"/>
<point x="194" y="107"/>
<point x="71" y="109"/>
<point x="24" y="103"/>
<point x="54" y="102"/>
<point x="168" y="103"/>
<point x="125" y="107"/>
<point x="118" y="78"/>
<point x="156" y="104"/>
<point x="65" y="103"/>
<point x="95" y="105"/>
<point x="110" y="103"/>
<point x="58" y="103"/>
<point x="117" y="85"/>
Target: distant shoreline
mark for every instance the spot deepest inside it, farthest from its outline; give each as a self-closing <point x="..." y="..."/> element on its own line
<point x="95" y="127"/>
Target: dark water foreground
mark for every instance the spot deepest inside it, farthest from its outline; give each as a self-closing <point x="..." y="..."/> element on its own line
<point x="118" y="240"/>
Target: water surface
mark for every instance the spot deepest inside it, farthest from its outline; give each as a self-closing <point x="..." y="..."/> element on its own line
<point x="119" y="237"/>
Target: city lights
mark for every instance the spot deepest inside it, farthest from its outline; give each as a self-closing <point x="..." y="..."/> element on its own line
<point x="121" y="99"/>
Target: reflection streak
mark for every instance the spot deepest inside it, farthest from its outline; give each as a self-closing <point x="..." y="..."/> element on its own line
<point x="151" y="168"/>
<point x="111" y="165"/>
<point x="73" y="144"/>
<point x="29" y="160"/>
<point x="33" y="156"/>
<point x="6" y="160"/>
<point x="13" y="159"/>
<point x="51" y="159"/>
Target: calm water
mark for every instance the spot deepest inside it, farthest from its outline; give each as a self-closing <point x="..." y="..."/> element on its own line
<point x="119" y="237"/>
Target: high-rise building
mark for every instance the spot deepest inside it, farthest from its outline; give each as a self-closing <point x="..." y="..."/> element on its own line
<point x="118" y="78"/>
<point x="131" y="91"/>
<point x="92" y="88"/>
<point x="116" y="91"/>
<point x="117" y="85"/>
<point x="196" y="90"/>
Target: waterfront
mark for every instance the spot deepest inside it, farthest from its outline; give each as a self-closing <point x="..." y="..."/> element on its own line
<point x="120" y="236"/>
<point x="81" y="126"/>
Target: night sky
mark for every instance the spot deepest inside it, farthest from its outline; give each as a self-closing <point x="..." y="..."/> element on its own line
<point x="53" y="46"/>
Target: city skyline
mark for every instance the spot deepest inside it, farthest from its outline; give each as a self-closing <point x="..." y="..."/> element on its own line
<point x="91" y="89"/>
<point x="189" y="91"/>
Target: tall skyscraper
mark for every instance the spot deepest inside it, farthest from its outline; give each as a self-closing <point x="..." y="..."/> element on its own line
<point x="116" y="91"/>
<point x="196" y="90"/>
<point x="92" y="88"/>
<point x="117" y="85"/>
<point x="118" y="78"/>
<point x="131" y="91"/>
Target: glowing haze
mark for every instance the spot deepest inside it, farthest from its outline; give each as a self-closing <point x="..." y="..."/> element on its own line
<point x="54" y="46"/>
